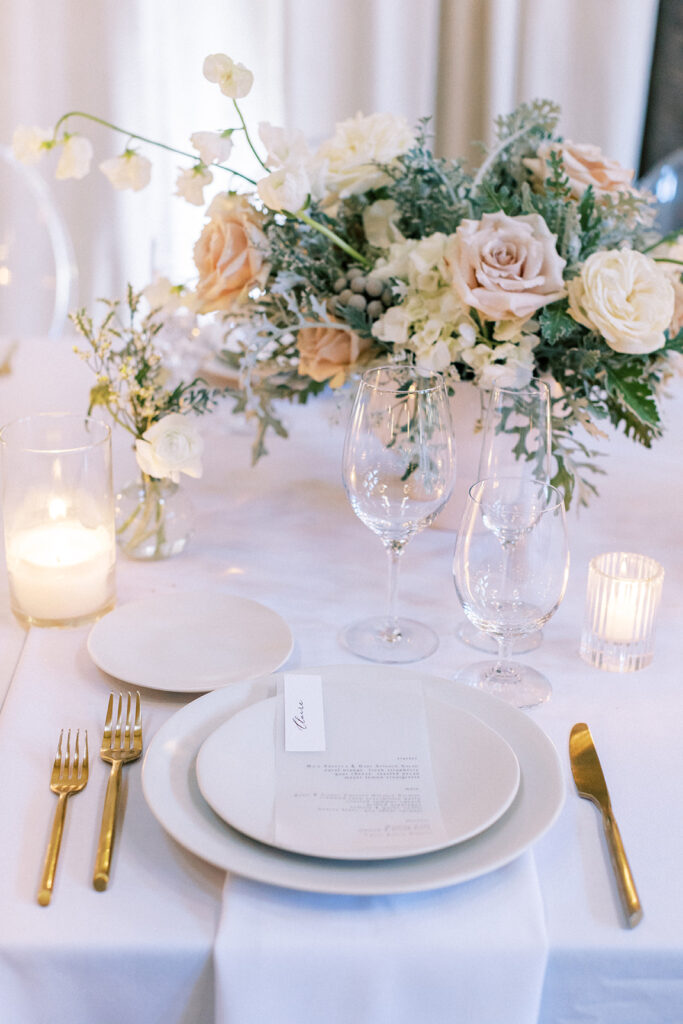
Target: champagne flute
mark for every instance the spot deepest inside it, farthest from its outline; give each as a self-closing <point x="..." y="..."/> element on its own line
<point x="398" y="470"/>
<point x="510" y="569"/>
<point x="516" y="441"/>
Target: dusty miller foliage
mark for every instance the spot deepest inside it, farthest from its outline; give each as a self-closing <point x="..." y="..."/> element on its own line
<point x="597" y="384"/>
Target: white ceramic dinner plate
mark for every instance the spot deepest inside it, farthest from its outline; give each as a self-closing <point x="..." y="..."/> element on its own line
<point x="170" y="787"/>
<point x="189" y="642"/>
<point x="476" y="776"/>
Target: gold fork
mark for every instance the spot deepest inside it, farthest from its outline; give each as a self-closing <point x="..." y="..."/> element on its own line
<point x="120" y="745"/>
<point x="67" y="777"/>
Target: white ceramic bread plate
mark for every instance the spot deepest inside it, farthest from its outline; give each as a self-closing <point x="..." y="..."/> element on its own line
<point x="192" y="641"/>
<point x="170" y="787"/>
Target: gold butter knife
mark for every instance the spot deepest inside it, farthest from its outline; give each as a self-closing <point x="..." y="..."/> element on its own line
<point x="590" y="783"/>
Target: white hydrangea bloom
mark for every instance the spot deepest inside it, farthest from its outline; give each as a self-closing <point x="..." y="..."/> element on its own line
<point x="191" y="182"/>
<point x="75" y="158"/>
<point x="130" y="170"/>
<point x="28" y="144"/>
<point x="233" y="79"/>
<point x="213" y="147"/>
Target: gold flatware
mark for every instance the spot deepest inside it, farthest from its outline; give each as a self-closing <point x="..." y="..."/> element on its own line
<point x="68" y="776"/>
<point x="590" y="783"/>
<point x="121" y="743"/>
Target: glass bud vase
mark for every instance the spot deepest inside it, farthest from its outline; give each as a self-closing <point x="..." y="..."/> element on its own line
<point x="153" y="518"/>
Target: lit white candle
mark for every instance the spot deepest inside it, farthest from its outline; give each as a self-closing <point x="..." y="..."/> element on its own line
<point x="622" y="618"/>
<point x="62" y="571"/>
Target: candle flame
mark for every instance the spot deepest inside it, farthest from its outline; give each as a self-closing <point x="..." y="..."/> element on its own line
<point x="56" y="508"/>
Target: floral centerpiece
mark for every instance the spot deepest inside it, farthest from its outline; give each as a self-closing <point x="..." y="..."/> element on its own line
<point x="133" y="385"/>
<point x="541" y="262"/>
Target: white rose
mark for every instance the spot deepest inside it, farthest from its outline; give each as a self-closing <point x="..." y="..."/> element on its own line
<point x="359" y="144"/>
<point x="190" y="184"/>
<point x="29" y="144"/>
<point x="213" y="147"/>
<point x="505" y="267"/>
<point x="130" y="170"/>
<point x="584" y="165"/>
<point x="625" y="297"/>
<point x="285" y="189"/>
<point x="233" y="79"/>
<point x="170" y="447"/>
<point x="75" y="158"/>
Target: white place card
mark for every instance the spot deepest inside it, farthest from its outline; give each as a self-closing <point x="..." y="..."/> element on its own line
<point x="371" y="791"/>
<point x="304" y="712"/>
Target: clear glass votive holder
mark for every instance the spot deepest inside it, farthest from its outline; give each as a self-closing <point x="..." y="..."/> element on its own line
<point x="58" y="511"/>
<point x="622" y="599"/>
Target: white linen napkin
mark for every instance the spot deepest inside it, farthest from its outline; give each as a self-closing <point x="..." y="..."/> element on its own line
<point x="473" y="953"/>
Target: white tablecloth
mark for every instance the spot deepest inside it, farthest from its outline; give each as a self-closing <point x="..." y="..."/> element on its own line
<point x="283" y="534"/>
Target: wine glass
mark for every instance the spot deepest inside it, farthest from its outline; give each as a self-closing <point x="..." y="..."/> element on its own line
<point x="398" y="470"/>
<point x="510" y="569"/>
<point x="515" y="442"/>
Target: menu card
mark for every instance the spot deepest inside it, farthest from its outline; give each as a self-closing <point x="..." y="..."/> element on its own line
<point x="370" y="790"/>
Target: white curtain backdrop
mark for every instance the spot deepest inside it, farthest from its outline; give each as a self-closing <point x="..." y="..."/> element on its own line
<point x="139" y="63"/>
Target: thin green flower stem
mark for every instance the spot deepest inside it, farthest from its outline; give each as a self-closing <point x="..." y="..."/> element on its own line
<point x="331" y="235"/>
<point x="248" y="136"/>
<point x="143" y="138"/>
<point x="665" y="259"/>
<point x="671" y="237"/>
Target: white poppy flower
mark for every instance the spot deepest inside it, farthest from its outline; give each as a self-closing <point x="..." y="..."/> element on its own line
<point x="233" y="79"/>
<point x="213" y="147"/>
<point x="75" y="159"/>
<point x="190" y="184"/>
<point x="28" y="144"/>
<point x="130" y="170"/>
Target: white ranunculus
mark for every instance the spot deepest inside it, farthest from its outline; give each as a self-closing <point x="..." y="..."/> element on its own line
<point x="28" y="144"/>
<point x="356" y="149"/>
<point x="285" y="189"/>
<point x="171" y="446"/>
<point x="624" y="296"/>
<point x="191" y="182"/>
<point x="130" y="170"/>
<point x="233" y="79"/>
<point x="75" y="158"/>
<point x="213" y="147"/>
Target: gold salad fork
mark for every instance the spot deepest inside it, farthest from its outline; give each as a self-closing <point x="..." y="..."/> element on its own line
<point x="121" y="743"/>
<point x="68" y="776"/>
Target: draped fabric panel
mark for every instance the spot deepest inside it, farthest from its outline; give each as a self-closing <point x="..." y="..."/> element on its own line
<point x="139" y="63"/>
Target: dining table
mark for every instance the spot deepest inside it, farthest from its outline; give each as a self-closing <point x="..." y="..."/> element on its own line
<point x="538" y="937"/>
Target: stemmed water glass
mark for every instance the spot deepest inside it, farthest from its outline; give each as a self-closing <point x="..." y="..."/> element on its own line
<point x="398" y="470"/>
<point x="510" y="569"/>
<point x="516" y="441"/>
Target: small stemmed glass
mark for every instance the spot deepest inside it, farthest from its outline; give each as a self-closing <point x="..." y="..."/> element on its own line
<point x="516" y="441"/>
<point x="398" y="470"/>
<point x="510" y="569"/>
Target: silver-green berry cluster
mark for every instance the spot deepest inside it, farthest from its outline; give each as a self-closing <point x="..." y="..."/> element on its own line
<point x="364" y="292"/>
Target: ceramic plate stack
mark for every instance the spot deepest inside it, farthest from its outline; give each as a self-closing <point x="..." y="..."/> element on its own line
<point x="209" y="778"/>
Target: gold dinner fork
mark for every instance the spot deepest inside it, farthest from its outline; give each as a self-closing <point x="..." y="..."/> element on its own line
<point x="67" y="777"/>
<point x="120" y="744"/>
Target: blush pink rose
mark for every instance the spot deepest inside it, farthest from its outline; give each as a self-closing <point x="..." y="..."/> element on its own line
<point x="584" y="165"/>
<point x="328" y="353"/>
<point x="229" y="254"/>
<point x="505" y="267"/>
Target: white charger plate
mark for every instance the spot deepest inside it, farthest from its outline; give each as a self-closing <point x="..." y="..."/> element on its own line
<point x="476" y="776"/>
<point x="171" y="790"/>
<point x="189" y="642"/>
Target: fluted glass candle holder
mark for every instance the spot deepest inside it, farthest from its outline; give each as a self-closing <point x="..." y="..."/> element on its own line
<point x="58" y="510"/>
<point x="622" y="599"/>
